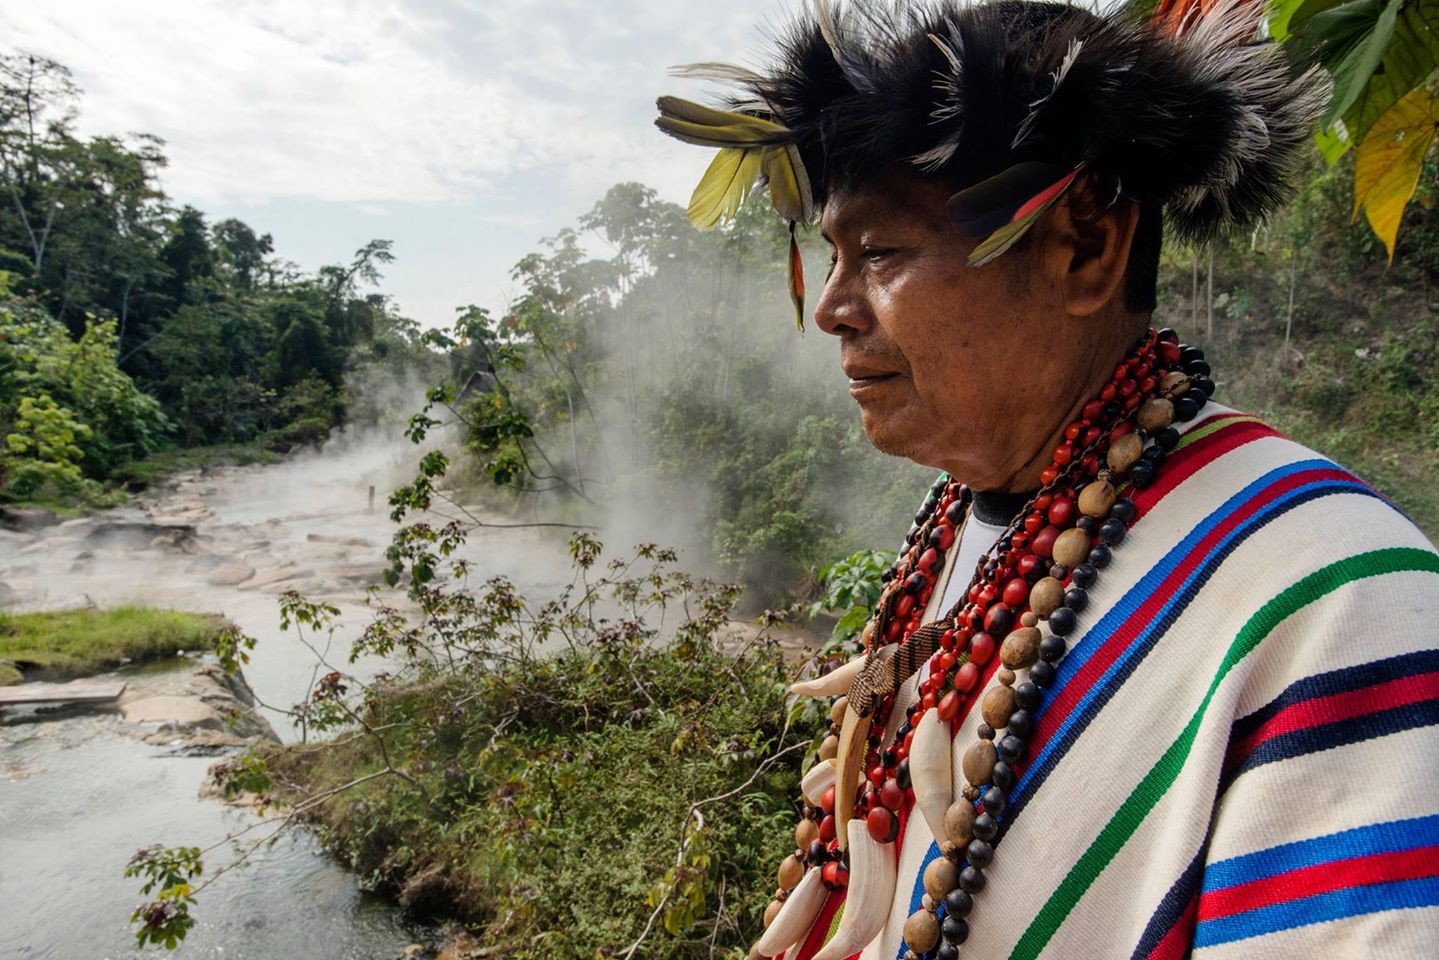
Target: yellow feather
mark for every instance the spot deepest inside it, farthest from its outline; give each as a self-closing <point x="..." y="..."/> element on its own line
<point x="682" y="109"/>
<point x="723" y="187"/>
<point x="705" y="135"/>
<point x="789" y="188"/>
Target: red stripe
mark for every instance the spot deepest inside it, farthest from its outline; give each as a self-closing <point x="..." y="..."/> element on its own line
<point x="1320" y="878"/>
<point x="1044" y="196"/>
<point x="813" y="940"/>
<point x="1187" y="461"/>
<point x="1069" y="696"/>
<point x="1175" y="944"/>
<point x="1337" y="707"/>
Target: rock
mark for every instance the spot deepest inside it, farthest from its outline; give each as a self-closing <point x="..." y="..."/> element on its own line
<point x="343" y="541"/>
<point x="274" y="576"/>
<point x="61" y="604"/>
<point x="7" y="594"/>
<point x="230" y="574"/>
<point x="133" y="534"/>
<point x="27" y="518"/>
<point x="183" y="711"/>
<point x="411" y="952"/>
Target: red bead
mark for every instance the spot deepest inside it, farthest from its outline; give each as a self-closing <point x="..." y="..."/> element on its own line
<point x="987" y="595"/>
<point x="834" y="876"/>
<point x="1042" y="502"/>
<point x="1132" y="402"/>
<point x="948" y="707"/>
<point x="1120" y="431"/>
<point x="1127" y="388"/>
<point x="1061" y="512"/>
<point x="1147" y="385"/>
<point x="927" y="701"/>
<point x="946" y="661"/>
<point x="1142" y="371"/>
<point x="1090" y="465"/>
<point x="1091" y="435"/>
<point x="1109" y="392"/>
<point x="826" y="800"/>
<point x="904" y="607"/>
<point x="1168" y="353"/>
<point x="1072" y="431"/>
<point x="826" y="830"/>
<point x="966" y="677"/>
<point x="1020" y="540"/>
<point x="891" y="632"/>
<point x="1016" y="592"/>
<point x="1043" y="542"/>
<point x="946" y="640"/>
<point x="946" y="535"/>
<point x="1034" y="522"/>
<point x="876" y="774"/>
<point x="930" y="561"/>
<point x="981" y="648"/>
<point x="1048" y="475"/>
<point x="883" y="827"/>
<point x="1030" y="567"/>
<point x="1092" y="410"/>
<point x="1063" y="454"/>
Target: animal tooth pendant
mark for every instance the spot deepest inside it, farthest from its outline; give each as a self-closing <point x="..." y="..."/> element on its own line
<point x="853" y="741"/>
<point x="820" y="778"/>
<point x="929" y="770"/>
<point x="796" y="916"/>
<point x="838" y="680"/>
<point x="873" y="869"/>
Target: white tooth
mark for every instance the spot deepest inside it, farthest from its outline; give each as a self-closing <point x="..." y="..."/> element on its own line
<point x="848" y="768"/>
<point x="930" y="760"/>
<point x="819" y="779"/>
<point x="795" y="917"/>
<point x="872" y="873"/>
<point x="837" y="681"/>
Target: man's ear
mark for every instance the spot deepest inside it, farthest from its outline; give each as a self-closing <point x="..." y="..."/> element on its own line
<point x="1086" y="248"/>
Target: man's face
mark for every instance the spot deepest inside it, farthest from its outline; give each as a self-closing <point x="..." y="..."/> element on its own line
<point x="957" y="367"/>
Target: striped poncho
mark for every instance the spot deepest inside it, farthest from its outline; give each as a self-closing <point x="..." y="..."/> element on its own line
<point x="1240" y="755"/>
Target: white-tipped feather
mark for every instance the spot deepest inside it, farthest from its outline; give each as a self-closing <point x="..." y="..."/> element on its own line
<point x="819" y="779"/>
<point x="796" y="916"/>
<point x="930" y="770"/>
<point x="873" y="869"/>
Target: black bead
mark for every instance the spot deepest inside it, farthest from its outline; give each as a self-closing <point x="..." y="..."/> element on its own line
<point x="911" y="710"/>
<point x="1084" y="575"/>
<point x="1042" y="674"/>
<point x="889" y="759"/>
<point x="946" y="950"/>
<point x="1205" y="386"/>
<point x="1111" y="410"/>
<point x="993" y="801"/>
<point x="1003" y="775"/>
<point x="984" y="731"/>
<point x="938" y="486"/>
<point x="818" y="853"/>
<point x="985" y="827"/>
<point x="1188" y="354"/>
<point x="1167" y="438"/>
<point x="887" y="576"/>
<point x="980" y="853"/>
<point x="1168" y="335"/>
<point x="955" y="931"/>
<point x="955" y="513"/>
<point x="1099" y="553"/>
<point x="1011" y="748"/>
<point x="1154" y="453"/>
<point x="926" y="509"/>
<point x="1026" y="694"/>
<point x="1052" y="648"/>
<point x="913" y="532"/>
<point x="1199" y="397"/>
<point x="1185" y="409"/>
<point x="901" y="774"/>
<point x="971" y="879"/>
<point x="904" y="728"/>
<point x="1142" y="474"/>
<point x="1020" y="723"/>
<point x="1076" y="599"/>
<point x="957" y="903"/>
<point x="1062" y="621"/>
<point x="1197" y="368"/>
<point x="1112" y="531"/>
<point x="916" y="582"/>
<point x="1123" y="510"/>
<point x="936" y="537"/>
<point x="1086" y="523"/>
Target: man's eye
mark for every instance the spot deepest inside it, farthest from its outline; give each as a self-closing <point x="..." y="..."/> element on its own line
<point x="875" y="254"/>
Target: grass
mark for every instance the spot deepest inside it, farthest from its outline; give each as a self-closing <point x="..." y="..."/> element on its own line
<point x="58" y="646"/>
<point x="154" y="469"/>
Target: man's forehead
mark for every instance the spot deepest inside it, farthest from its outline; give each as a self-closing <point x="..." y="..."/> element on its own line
<point x="885" y="201"/>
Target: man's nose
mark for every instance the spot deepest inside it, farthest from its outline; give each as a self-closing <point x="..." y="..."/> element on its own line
<point x="842" y="308"/>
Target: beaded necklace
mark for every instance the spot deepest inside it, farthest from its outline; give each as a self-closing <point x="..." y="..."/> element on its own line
<point x="1039" y="571"/>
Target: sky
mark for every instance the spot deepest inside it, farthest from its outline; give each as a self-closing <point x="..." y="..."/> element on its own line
<point x="463" y="131"/>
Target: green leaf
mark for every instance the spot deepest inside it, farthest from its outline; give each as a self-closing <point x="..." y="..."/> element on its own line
<point x="1355" y="37"/>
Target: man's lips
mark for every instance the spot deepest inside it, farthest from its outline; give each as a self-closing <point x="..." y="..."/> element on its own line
<point x="862" y="379"/>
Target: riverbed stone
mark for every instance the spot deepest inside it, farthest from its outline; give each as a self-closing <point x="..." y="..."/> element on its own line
<point x="230" y="574"/>
<point x="183" y="711"/>
<point x="27" y="518"/>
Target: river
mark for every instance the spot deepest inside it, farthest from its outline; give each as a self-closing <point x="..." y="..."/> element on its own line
<point x="80" y="792"/>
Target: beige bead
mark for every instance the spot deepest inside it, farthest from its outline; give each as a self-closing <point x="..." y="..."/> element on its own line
<point x="1155" y="415"/>
<point x="940" y="877"/>
<point x="1096" y="498"/>
<point x="829" y="748"/>
<point x="1071" y="547"/>
<point x="1029" y="619"/>
<point x="997" y="706"/>
<point x="978" y="764"/>
<point x="970" y="792"/>
<point x="950" y="851"/>
<point x="1124" y="452"/>
<point x="791" y="872"/>
<point x="959" y="823"/>
<point x="806" y="832"/>
<point x="1021" y="647"/>
<point x="1173" y="384"/>
<point x="921" y="931"/>
<point x="1046" y="596"/>
<point x="771" y="911"/>
<point x="1005" y="675"/>
<point x="836" y="710"/>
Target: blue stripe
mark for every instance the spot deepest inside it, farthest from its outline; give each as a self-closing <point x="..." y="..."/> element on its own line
<point x="1385" y="837"/>
<point x="1100" y="693"/>
<point x="1334" y="905"/>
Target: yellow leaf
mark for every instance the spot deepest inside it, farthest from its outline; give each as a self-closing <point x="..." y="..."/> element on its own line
<point x="1389" y="159"/>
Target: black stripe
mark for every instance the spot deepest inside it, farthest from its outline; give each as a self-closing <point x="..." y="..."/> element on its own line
<point x="1171" y="909"/>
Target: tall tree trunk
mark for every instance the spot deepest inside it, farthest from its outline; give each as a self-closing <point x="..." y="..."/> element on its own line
<point x="1289" y="312"/>
<point x="1194" y="293"/>
<point x="1209" y="296"/>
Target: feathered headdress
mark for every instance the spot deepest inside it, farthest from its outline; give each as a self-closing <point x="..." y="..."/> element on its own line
<point x="1190" y="112"/>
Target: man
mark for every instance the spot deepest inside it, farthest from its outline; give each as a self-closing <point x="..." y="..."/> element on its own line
<point x="1148" y="679"/>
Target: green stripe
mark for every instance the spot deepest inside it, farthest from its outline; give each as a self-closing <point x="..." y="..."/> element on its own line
<point x="1217" y="424"/>
<point x="1152" y="788"/>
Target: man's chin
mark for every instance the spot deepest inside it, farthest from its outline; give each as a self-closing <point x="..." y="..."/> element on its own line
<point x="896" y="436"/>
